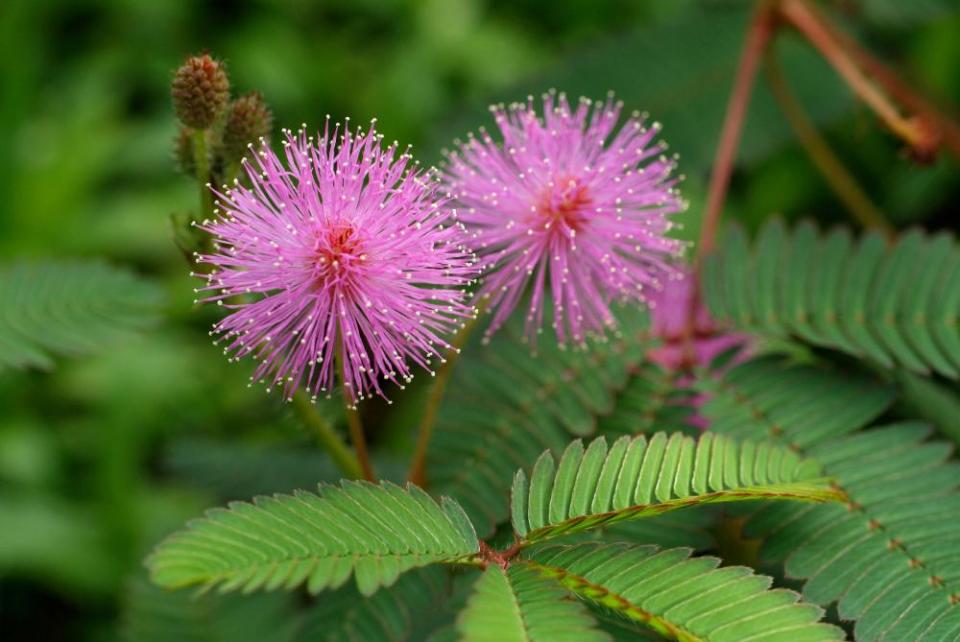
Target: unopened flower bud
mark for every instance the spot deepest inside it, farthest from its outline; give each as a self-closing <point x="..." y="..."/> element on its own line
<point x="248" y="119"/>
<point x="200" y="91"/>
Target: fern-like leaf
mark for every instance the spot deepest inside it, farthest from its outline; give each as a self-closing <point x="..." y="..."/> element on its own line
<point x="890" y="556"/>
<point x="684" y="598"/>
<point x="637" y="477"/>
<point x="375" y="532"/>
<point x="795" y="405"/>
<point x="510" y="404"/>
<point x="394" y="614"/>
<point x="898" y="306"/>
<point x="68" y="308"/>
<point x="653" y="399"/>
<point x="151" y="614"/>
<point x="518" y="605"/>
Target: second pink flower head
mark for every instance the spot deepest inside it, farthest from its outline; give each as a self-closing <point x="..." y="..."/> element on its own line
<point x="569" y="205"/>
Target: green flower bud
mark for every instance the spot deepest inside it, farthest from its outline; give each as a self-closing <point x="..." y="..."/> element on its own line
<point x="248" y="120"/>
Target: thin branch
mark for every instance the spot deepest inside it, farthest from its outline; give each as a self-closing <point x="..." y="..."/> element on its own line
<point x="840" y="180"/>
<point x="354" y="424"/>
<point x="917" y="131"/>
<point x="359" y="441"/>
<point x="329" y="440"/>
<point x="418" y="474"/>
<point x="945" y="127"/>
<point x="942" y="128"/>
<point x="761" y="30"/>
<point x="758" y="36"/>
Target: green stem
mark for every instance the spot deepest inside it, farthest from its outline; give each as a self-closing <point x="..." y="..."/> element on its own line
<point x="328" y="437"/>
<point x="354" y="424"/>
<point x="202" y="162"/>
<point x="233" y="171"/>
<point x="840" y="180"/>
<point x="418" y="473"/>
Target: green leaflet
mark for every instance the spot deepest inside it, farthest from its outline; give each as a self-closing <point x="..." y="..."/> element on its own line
<point x="767" y="398"/>
<point x="932" y="401"/>
<point x="653" y="399"/>
<point x="890" y="560"/>
<point x="897" y="306"/>
<point x="637" y="477"/>
<point x="394" y="614"/>
<point x="518" y="605"/>
<point x="152" y="614"/>
<point x="375" y="532"/>
<point x="68" y="308"/>
<point x="889" y="556"/>
<point x="684" y="598"/>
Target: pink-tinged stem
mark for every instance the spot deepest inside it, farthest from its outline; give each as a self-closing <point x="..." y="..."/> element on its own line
<point x="759" y="33"/>
<point x="758" y="36"/>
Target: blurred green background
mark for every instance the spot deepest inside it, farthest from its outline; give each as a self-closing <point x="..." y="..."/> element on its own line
<point x="102" y="455"/>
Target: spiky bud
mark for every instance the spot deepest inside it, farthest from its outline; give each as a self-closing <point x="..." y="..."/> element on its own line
<point x="183" y="151"/>
<point x="200" y="91"/>
<point x="248" y="119"/>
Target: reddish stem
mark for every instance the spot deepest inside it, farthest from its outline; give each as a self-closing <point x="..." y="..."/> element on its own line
<point x="938" y="124"/>
<point x="500" y="558"/>
<point x="922" y="132"/>
<point x="759" y="33"/>
<point x="758" y="36"/>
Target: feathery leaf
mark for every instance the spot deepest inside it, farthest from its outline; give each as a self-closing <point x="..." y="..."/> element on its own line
<point x="392" y="614"/>
<point x="152" y="614"/>
<point x="518" y="605"/>
<point x="68" y="308"/>
<point x="375" y="532"/>
<point x="889" y="556"/>
<point x="637" y="477"/>
<point x="684" y="598"/>
<point x="897" y="306"/>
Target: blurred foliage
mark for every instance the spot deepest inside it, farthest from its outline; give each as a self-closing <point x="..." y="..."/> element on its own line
<point x="103" y="455"/>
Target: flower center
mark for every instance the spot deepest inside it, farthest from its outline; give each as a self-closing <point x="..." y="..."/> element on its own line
<point x="564" y="204"/>
<point x="338" y="252"/>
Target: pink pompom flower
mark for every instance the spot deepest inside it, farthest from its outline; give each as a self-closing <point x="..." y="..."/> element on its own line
<point x="570" y="203"/>
<point x="339" y="244"/>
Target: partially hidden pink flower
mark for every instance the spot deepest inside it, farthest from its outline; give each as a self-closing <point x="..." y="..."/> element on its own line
<point x="670" y="309"/>
<point x="338" y="245"/>
<point x="569" y="203"/>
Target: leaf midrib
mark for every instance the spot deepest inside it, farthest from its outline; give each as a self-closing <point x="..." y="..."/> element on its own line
<point x="577" y="583"/>
<point x="816" y="494"/>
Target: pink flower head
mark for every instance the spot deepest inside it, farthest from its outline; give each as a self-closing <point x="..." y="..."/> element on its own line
<point x="337" y="245"/>
<point x="568" y="202"/>
<point x="670" y="309"/>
